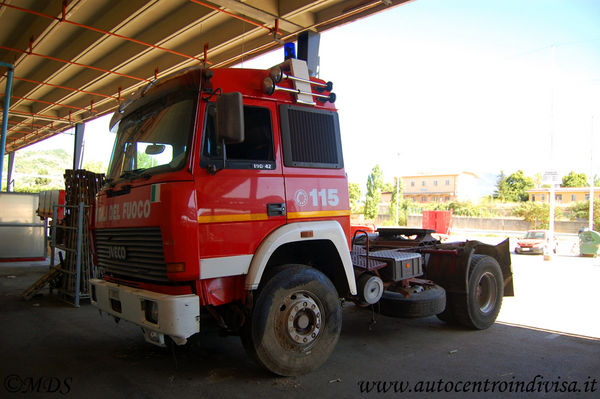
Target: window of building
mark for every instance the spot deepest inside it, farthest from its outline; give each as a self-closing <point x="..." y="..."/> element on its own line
<point x="423" y="199"/>
<point x="412" y="183"/>
<point x="447" y="199"/>
<point x="587" y="197"/>
<point x="435" y="182"/>
<point x="423" y="182"/>
<point x="532" y="197"/>
<point x="573" y="197"/>
<point x="543" y="198"/>
<point x="447" y="182"/>
<point x="559" y="197"/>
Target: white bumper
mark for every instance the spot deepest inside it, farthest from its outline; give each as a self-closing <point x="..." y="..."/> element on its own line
<point x="178" y="315"/>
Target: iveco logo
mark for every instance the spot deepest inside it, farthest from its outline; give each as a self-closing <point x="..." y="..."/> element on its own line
<point x="117" y="252"/>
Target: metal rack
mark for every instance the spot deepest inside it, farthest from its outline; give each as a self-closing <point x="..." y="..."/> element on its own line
<point x="76" y="270"/>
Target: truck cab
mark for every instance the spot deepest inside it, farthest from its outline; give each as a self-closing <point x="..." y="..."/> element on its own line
<point x="215" y="179"/>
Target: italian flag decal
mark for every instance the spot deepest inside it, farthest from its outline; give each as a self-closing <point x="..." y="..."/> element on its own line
<point x="155" y="193"/>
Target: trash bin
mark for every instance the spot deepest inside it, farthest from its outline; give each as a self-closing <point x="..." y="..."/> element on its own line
<point x="589" y="243"/>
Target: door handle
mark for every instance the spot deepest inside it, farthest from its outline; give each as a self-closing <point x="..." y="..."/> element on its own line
<point x="276" y="209"/>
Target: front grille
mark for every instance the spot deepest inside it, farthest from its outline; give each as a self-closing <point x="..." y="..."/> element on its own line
<point x="132" y="253"/>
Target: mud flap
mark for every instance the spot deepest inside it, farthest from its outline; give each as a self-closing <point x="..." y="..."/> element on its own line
<point x="501" y="253"/>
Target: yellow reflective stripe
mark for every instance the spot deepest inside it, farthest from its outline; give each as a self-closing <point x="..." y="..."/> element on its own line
<point x="263" y="216"/>
<point x="232" y="218"/>
<point x="317" y="214"/>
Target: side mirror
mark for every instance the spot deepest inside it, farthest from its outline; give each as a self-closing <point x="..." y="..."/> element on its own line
<point x="230" y="118"/>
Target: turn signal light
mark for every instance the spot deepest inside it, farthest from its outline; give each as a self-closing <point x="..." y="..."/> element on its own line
<point x="175" y="267"/>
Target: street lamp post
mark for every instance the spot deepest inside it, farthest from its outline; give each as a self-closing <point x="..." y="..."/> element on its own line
<point x="398" y="191"/>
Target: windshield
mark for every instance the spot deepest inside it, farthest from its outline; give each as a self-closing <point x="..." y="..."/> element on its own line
<point x="153" y="139"/>
<point x="535" y="235"/>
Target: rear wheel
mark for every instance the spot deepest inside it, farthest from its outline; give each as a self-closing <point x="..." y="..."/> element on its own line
<point x="295" y="323"/>
<point x="479" y="308"/>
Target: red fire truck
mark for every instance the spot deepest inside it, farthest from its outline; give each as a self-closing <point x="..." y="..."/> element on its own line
<point x="227" y="202"/>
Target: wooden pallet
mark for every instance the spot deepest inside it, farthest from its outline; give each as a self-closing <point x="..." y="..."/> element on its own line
<point x="53" y="274"/>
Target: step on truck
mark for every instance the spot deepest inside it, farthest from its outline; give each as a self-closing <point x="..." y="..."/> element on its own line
<point x="226" y="203"/>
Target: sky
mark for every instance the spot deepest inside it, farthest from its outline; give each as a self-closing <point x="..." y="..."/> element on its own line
<point x="441" y="86"/>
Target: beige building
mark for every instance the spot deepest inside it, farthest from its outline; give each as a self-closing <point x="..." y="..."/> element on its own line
<point x="563" y="195"/>
<point x="441" y="187"/>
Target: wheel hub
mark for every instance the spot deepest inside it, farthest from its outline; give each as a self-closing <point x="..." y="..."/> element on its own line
<point x="303" y="317"/>
<point x="486" y="292"/>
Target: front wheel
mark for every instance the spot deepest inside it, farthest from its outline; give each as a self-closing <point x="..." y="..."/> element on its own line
<point x="295" y="323"/>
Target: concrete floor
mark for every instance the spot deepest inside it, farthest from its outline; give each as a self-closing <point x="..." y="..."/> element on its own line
<point x="50" y="349"/>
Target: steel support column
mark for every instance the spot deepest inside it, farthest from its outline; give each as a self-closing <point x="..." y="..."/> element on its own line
<point x="7" y="94"/>
<point x="11" y="164"/>
<point x="78" y="148"/>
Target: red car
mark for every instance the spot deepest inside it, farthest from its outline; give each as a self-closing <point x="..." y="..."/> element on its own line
<point x="535" y="241"/>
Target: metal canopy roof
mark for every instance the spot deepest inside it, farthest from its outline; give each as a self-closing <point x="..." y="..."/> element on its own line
<point x="74" y="60"/>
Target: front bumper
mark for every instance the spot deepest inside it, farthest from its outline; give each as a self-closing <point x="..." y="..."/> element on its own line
<point x="529" y="250"/>
<point x="178" y="316"/>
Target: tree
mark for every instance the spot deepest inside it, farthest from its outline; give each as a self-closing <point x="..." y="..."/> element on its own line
<point x="354" y="193"/>
<point x="581" y="210"/>
<point x="145" y="161"/>
<point x="536" y="213"/>
<point x="95" y="166"/>
<point x="514" y="187"/>
<point x="402" y="205"/>
<point x="575" y="180"/>
<point x="374" y="186"/>
<point x="39" y="170"/>
<point x="501" y="187"/>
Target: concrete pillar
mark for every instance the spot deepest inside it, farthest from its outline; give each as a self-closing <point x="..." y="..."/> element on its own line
<point x="78" y="149"/>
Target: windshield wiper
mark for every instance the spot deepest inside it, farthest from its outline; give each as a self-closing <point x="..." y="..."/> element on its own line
<point x="127" y="174"/>
<point x="134" y="174"/>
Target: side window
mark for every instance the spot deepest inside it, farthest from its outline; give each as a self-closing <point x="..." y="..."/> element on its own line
<point x="256" y="152"/>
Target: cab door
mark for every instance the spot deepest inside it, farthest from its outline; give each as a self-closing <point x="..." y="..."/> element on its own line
<point x="240" y="199"/>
